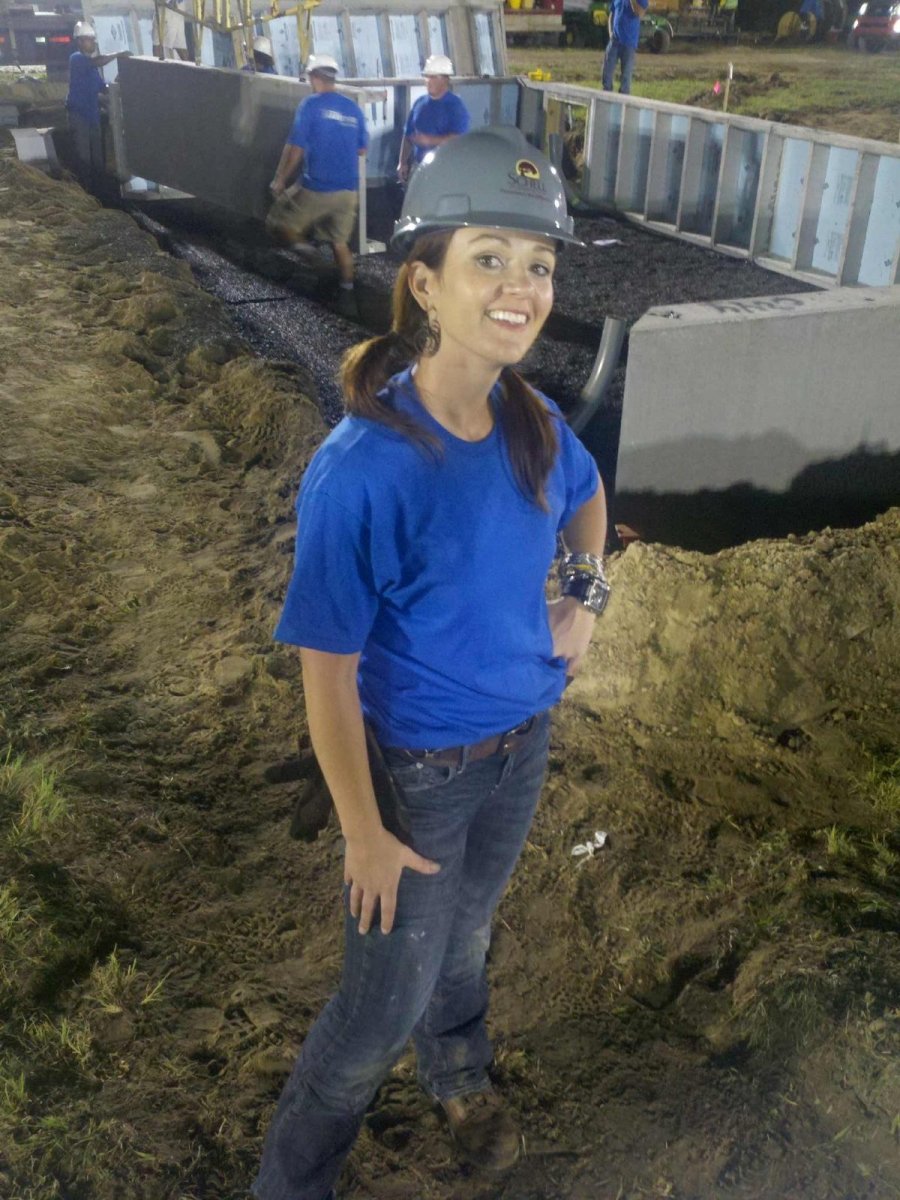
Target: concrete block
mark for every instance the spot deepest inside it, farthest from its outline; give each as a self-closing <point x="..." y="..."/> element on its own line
<point x="216" y="134"/>
<point x="35" y="146"/>
<point x="762" y="393"/>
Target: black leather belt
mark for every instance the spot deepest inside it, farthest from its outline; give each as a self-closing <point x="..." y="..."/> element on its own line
<point x="455" y="756"/>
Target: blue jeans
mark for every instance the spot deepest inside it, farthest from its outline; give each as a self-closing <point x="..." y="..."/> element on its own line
<point x="617" y="51"/>
<point x="426" y="979"/>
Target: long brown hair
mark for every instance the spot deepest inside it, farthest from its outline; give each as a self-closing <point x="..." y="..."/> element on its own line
<point x="528" y="427"/>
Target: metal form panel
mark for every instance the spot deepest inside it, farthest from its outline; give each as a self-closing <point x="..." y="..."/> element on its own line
<point x="878" y="265"/>
<point x="358" y="33"/>
<point x="820" y="206"/>
<point x="286" y="44"/>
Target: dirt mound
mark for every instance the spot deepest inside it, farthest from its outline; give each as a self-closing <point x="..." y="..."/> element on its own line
<point x="704" y="1007"/>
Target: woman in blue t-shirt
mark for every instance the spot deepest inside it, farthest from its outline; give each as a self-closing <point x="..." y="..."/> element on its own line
<point x="427" y="525"/>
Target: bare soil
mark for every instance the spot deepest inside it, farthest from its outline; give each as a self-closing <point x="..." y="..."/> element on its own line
<point x="706" y="1009"/>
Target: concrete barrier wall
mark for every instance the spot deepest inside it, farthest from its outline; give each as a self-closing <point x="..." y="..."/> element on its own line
<point x="218" y="134"/>
<point x="762" y="392"/>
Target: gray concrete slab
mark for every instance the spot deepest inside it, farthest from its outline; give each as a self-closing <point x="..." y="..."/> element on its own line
<point x="757" y="391"/>
<point x="216" y="134"/>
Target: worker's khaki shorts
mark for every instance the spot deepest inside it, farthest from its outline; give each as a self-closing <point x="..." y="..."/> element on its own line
<point x="328" y="215"/>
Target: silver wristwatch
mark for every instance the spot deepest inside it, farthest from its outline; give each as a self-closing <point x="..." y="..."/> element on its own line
<point x="582" y="576"/>
<point x="590" y="590"/>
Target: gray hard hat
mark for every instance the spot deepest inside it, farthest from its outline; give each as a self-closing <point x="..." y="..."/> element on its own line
<point x="491" y="177"/>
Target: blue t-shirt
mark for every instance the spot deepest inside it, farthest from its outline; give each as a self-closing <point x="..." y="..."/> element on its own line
<point x="437" y="118"/>
<point x="812" y="6"/>
<point x="434" y="570"/>
<point x="85" y="85"/>
<point x="625" y="24"/>
<point x="330" y="130"/>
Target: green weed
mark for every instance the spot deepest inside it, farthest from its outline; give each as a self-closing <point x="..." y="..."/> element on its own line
<point x="29" y="791"/>
<point x="113" y="987"/>
<point x="885" y="865"/>
<point x="881" y="786"/>
<point x="839" y="844"/>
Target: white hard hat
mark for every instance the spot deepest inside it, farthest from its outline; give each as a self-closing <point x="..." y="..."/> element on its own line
<point x="263" y="45"/>
<point x="84" y="29"/>
<point x="437" y="64"/>
<point x="321" y="62"/>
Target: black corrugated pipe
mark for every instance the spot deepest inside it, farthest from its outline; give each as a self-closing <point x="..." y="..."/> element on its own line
<point x="598" y="381"/>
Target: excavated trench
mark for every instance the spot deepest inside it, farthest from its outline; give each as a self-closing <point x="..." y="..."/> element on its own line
<point x="287" y="309"/>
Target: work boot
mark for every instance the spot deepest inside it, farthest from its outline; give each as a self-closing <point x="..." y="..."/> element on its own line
<point x="484" y="1130"/>
<point x="345" y="304"/>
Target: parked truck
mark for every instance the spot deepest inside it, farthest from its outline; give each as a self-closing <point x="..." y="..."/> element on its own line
<point x="585" y="23"/>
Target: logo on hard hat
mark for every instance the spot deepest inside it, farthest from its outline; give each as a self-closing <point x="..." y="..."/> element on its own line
<point x="527" y="169"/>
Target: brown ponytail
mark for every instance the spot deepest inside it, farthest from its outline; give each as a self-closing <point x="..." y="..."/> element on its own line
<point x="530" y="432"/>
<point x="527" y="425"/>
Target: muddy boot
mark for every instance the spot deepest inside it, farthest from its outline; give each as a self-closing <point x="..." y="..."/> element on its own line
<point x="483" y="1129"/>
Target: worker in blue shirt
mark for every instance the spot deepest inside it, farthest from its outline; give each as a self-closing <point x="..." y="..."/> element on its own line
<point x="263" y="58"/>
<point x="813" y="11"/>
<point x="434" y="118"/>
<point x="86" y="85"/>
<point x="328" y="136"/>
<point x="624" y="32"/>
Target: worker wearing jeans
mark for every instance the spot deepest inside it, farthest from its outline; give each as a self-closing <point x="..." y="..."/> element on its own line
<point x="473" y="820"/>
<point x="624" y="33"/>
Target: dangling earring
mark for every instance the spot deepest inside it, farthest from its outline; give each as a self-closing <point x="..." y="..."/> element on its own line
<point x="427" y="338"/>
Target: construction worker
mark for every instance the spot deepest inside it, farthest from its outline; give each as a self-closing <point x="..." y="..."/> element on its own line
<point x="434" y="118"/>
<point x="172" y="42"/>
<point x="263" y="57"/>
<point x="728" y="12"/>
<point x="327" y="138"/>
<point x="813" y="11"/>
<point x="427" y="524"/>
<point x="86" y="86"/>
<point x="624" y="34"/>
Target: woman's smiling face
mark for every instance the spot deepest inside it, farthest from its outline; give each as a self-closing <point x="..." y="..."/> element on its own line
<point x="492" y="294"/>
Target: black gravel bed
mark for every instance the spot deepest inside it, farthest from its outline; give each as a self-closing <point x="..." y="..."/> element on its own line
<point x="285" y="308"/>
<point x="636" y="270"/>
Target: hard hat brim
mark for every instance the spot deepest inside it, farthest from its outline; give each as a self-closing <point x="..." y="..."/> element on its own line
<point x="407" y="232"/>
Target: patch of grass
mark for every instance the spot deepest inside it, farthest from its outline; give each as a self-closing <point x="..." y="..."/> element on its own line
<point x="55" y="928"/>
<point x="802" y="93"/>
<point x="885" y="862"/>
<point x="677" y="91"/>
<point x="29" y="792"/>
<point x="113" y="987"/>
<point x="796" y="86"/>
<point x="839" y="843"/>
<point x="881" y="786"/>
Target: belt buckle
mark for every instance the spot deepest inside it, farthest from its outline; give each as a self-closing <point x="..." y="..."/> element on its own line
<point x="513" y="736"/>
<point x="442" y="757"/>
<point x="418" y="756"/>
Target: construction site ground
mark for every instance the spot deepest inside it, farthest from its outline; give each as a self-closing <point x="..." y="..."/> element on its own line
<point x="704" y="1009"/>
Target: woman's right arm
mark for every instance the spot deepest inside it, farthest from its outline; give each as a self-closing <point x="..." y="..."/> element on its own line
<point x="374" y="858"/>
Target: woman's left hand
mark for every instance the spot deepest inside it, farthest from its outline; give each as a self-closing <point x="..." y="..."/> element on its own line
<point x="571" y="625"/>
